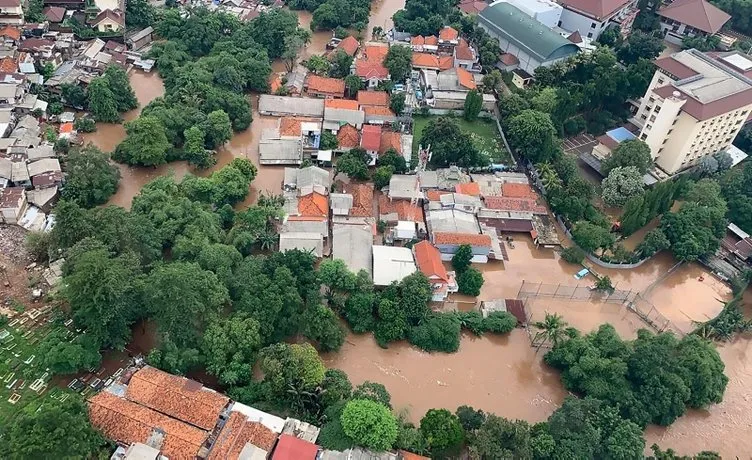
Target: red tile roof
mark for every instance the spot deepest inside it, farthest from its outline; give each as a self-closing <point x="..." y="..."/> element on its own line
<point x="709" y="110"/>
<point x="435" y="195"/>
<point x="326" y="85"/>
<point x="292" y="448"/>
<point x="291" y="126"/>
<point x="465" y="78"/>
<point x="575" y="37"/>
<point x="509" y="59"/>
<point x="599" y="9"/>
<point x="349" y="45"/>
<point x="464" y="53"/>
<point x="448" y="34"/>
<point x="373" y="98"/>
<point x="420" y="40"/>
<point x="370" y="65"/>
<point x="313" y="205"/>
<point x="8" y="65"/>
<point x="512" y="190"/>
<point x="362" y="199"/>
<point x="676" y="68"/>
<point x="12" y="32"/>
<point x="428" y="259"/>
<point x="461" y="238"/>
<point x="377" y="111"/>
<point x="468" y="188"/>
<point x="432" y="61"/>
<point x="128" y="422"/>
<point x="699" y="14"/>
<point x="347" y="104"/>
<point x="348" y="137"/>
<point x="238" y="431"/>
<point x="502" y="203"/>
<point x="54" y="13"/>
<point x="472" y="6"/>
<point x="113" y="16"/>
<point x="404" y="209"/>
<point x="66" y="128"/>
<point x="390" y="140"/>
<point x="370" y="138"/>
<point x="178" y="397"/>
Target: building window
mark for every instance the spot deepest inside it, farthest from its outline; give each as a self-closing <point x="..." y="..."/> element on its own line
<point x="657" y="109"/>
<point x="643" y="136"/>
<point x="652" y="117"/>
<point x="559" y="23"/>
<point x="644" y="117"/>
<point x="660" y="81"/>
<point x="592" y="25"/>
<point x="589" y="35"/>
<point x="648" y="127"/>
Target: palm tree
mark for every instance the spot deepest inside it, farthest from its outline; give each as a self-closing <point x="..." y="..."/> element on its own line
<point x="548" y="176"/>
<point x="552" y="329"/>
<point x="267" y="239"/>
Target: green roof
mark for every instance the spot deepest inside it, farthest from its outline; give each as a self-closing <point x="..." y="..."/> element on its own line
<point x="519" y="29"/>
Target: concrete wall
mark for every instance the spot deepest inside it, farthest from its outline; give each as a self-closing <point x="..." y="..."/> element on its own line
<point x="572" y="21"/>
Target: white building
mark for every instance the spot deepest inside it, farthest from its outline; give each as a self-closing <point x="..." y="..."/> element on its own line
<point x="547" y="12"/>
<point x="695" y="106"/>
<point x="391" y="264"/>
<point x="591" y="17"/>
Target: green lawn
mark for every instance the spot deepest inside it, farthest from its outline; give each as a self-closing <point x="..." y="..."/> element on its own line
<point x="484" y="133"/>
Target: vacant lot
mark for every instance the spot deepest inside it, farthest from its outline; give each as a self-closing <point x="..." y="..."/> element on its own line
<point x="484" y="133"/>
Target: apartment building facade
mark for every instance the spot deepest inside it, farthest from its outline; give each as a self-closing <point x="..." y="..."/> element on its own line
<point x="694" y="106"/>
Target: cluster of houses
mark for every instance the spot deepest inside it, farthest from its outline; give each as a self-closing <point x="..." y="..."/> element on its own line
<point x="153" y="415"/>
<point x="244" y="10"/>
<point x="426" y="217"/>
<point x="30" y="173"/>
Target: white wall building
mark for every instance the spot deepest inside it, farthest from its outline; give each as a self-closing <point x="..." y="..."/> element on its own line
<point x="591" y="17"/>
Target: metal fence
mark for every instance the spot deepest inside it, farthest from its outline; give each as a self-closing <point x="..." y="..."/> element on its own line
<point x="633" y="300"/>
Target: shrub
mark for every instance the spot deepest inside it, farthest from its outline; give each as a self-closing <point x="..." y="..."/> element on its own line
<point x="499" y="322"/>
<point x="472" y="321"/>
<point x="369" y="424"/>
<point x="470" y="282"/>
<point x="573" y="255"/>
<point x="440" y="332"/>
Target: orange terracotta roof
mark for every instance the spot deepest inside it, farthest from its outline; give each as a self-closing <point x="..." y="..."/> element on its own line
<point x="349" y="45"/>
<point x="313" y="205"/>
<point x="341" y="104"/>
<point x="380" y="98"/>
<point x="370" y="138"/>
<point x="390" y="140"/>
<point x="375" y="52"/>
<point x="66" y="128"/>
<point x="431" y="40"/>
<point x="512" y="190"/>
<point x="448" y="34"/>
<point x="348" y="137"/>
<point x="370" y="65"/>
<point x="468" y="188"/>
<point x="8" y="65"/>
<point x="289" y="126"/>
<point x="509" y="59"/>
<point x="435" y="195"/>
<point x="418" y="40"/>
<point x="178" y="397"/>
<point x="238" y="431"/>
<point x="464" y="53"/>
<point x="461" y="238"/>
<point x="128" y="422"/>
<point x="433" y="62"/>
<point x="374" y="110"/>
<point x="411" y="456"/>
<point x="362" y="199"/>
<point x="503" y="203"/>
<point x="10" y="32"/>
<point x="428" y="259"/>
<point x="403" y="208"/>
<point x="465" y="78"/>
<point x="326" y="85"/>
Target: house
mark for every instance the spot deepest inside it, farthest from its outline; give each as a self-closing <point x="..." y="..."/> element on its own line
<point x="514" y="306"/>
<point x="359" y="205"/>
<point x="376" y="115"/>
<point x="324" y="86"/>
<point x="348" y="137"/>
<point x="373" y="99"/>
<point x="607" y="143"/>
<point x="349" y="45"/>
<point x="455" y="100"/>
<point x="736" y="247"/>
<point x="450" y="228"/>
<point x="391" y="264"/>
<point x="521" y="79"/>
<point x="690" y="18"/>
<point x="292" y="448"/>
<point x="370" y="66"/>
<point x="311" y="206"/>
<point x="455" y="79"/>
<point x="465" y="57"/>
<point x="11" y="35"/>
<point x="591" y="17"/>
<point x="339" y="112"/>
<point x="402" y="186"/>
<point x="274" y="150"/>
<point x="241" y="436"/>
<point x="140" y="39"/>
<point x="432" y="61"/>
<point x="109" y="21"/>
<point x="399" y="142"/>
<point x="312" y="242"/>
<point x="352" y="244"/>
<point x="296" y="79"/>
<point x="340" y="204"/>
<point x="406" y="217"/>
<point x="281" y="106"/>
<point x="43" y="198"/>
<point x="13" y="204"/>
<point x="449" y="37"/>
<point x="443" y="178"/>
<point x="11" y="12"/>
<point x="370" y="140"/>
<point x="306" y="180"/>
<point x="45" y="173"/>
<point x="448" y="200"/>
<point x="428" y="260"/>
<point x="472" y="7"/>
<point x="54" y="14"/>
<point x="533" y="44"/>
<point x="694" y="106"/>
<point x="421" y="44"/>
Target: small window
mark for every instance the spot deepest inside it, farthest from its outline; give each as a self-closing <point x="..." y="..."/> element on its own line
<point x="592" y="25"/>
<point x="644" y="117"/>
<point x="643" y="136"/>
<point x="590" y="35"/>
<point x="652" y="117"/>
<point x="559" y="24"/>
<point x="648" y="127"/>
<point x="657" y="109"/>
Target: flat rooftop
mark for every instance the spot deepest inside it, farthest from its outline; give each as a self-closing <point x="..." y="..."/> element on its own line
<point x="713" y="81"/>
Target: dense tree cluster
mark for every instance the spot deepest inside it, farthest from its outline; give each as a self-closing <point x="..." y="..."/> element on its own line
<point x="331" y="14"/>
<point x="450" y="145"/>
<point x="652" y="379"/>
<point x="106" y="97"/>
<point x="90" y="177"/>
<point x="736" y="186"/>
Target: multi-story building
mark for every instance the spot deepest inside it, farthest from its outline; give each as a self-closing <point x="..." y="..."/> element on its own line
<point x="591" y="17"/>
<point x="695" y="106"/>
<point x="11" y="12"/>
<point x="690" y="18"/>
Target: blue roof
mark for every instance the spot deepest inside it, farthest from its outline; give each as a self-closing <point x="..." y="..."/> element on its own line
<point x="621" y="134"/>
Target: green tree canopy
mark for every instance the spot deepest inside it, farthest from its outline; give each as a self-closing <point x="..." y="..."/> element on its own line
<point x="462" y="258"/>
<point x="230" y="347"/>
<point x="145" y="143"/>
<point x="629" y="153"/>
<point x="91" y="179"/>
<point x="532" y="134"/>
<point x="442" y="431"/>
<point x="398" y="61"/>
<point x="622" y="184"/>
<point x="369" y="424"/>
<point x="450" y="145"/>
<point x="591" y="237"/>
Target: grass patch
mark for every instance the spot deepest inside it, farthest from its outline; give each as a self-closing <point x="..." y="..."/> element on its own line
<point x="484" y="133"/>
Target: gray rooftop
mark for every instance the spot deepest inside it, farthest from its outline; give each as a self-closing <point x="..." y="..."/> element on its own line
<point x="391" y="263"/>
<point x="280" y="151"/>
<point x="307" y="179"/>
<point x="344" y="116"/>
<point x="452" y="221"/>
<point x="403" y="187"/>
<point x="40" y="152"/>
<point x="352" y="244"/>
<point x="6" y="168"/>
<point x="285" y="105"/>
<point x="43" y="166"/>
<point x="312" y="242"/>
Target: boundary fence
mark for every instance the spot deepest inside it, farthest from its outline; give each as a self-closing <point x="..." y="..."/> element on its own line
<point x="632" y="300"/>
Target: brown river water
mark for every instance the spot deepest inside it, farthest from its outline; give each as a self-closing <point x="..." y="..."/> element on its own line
<point x="497" y="374"/>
